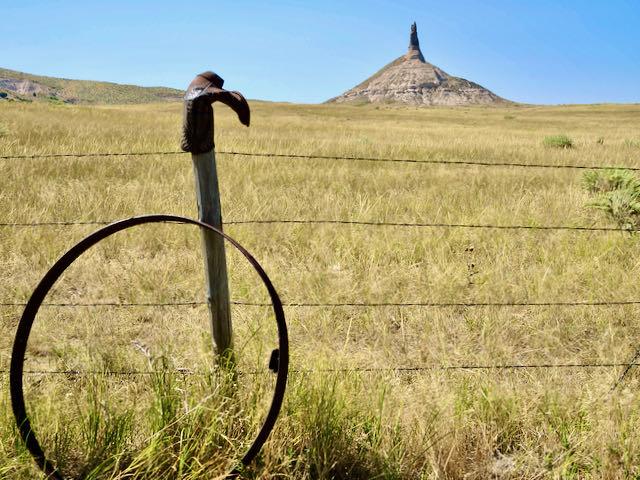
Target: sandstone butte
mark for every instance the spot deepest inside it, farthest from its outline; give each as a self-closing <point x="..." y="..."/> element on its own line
<point x="412" y="80"/>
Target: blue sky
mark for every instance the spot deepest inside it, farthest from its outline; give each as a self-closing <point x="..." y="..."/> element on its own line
<point x="542" y="51"/>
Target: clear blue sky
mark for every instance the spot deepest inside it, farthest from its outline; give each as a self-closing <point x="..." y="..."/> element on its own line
<point x="535" y="51"/>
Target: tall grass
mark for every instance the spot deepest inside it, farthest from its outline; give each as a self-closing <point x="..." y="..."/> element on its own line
<point x="450" y="424"/>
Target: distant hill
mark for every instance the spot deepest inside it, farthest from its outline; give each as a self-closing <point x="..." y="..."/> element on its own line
<point x="411" y="80"/>
<point x="26" y="87"/>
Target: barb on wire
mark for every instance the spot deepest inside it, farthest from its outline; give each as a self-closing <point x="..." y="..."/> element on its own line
<point x="427" y="161"/>
<point x="350" y="222"/>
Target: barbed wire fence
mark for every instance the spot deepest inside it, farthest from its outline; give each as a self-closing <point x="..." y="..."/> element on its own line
<point x="358" y="223"/>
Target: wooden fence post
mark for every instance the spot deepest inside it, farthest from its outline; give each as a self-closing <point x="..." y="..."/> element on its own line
<point x="217" y="286"/>
<point x="197" y="138"/>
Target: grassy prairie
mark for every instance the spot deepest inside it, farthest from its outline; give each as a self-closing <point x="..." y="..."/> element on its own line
<point x="433" y="424"/>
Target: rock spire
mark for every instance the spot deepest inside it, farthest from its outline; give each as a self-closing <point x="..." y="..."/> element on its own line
<point x="414" y="52"/>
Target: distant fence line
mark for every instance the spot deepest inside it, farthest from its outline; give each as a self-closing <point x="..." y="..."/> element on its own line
<point x="295" y="156"/>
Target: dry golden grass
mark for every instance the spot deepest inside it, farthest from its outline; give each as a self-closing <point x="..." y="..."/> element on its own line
<point x="533" y="423"/>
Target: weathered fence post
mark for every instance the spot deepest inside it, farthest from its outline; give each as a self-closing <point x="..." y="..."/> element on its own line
<point x="197" y="138"/>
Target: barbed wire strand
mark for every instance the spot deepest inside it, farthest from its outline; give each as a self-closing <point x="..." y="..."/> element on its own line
<point x="433" y="225"/>
<point x="430" y="161"/>
<point x="348" y="222"/>
<point x="398" y="369"/>
<point x="332" y="305"/>
<point x="329" y="157"/>
<point x="87" y="155"/>
<point x="54" y="223"/>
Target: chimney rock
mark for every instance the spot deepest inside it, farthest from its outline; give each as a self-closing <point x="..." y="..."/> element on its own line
<point x="414" y="52"/>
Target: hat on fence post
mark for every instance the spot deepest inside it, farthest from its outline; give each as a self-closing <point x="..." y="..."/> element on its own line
<point x="197" y="126"/>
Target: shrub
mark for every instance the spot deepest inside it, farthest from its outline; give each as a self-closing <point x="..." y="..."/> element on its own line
<point x="617" y="193"/>
<point x="610" y="180"/>
<point x="4" y="131"/>
<point x="558" y="141"/>
<point x="632" y="143"/>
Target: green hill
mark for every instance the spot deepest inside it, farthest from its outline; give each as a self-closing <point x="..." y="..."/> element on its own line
<point x="26" y="87"/>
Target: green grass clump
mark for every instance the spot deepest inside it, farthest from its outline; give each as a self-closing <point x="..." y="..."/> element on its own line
<point x="558" y="141"/>
<point x="617" y="194"/>
<point x="632" y="143"/>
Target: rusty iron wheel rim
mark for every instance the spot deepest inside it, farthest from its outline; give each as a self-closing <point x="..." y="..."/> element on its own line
<point x="46" y="283"/>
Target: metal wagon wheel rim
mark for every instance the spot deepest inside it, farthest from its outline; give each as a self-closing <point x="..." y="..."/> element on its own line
<point x="55" y="272"/>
